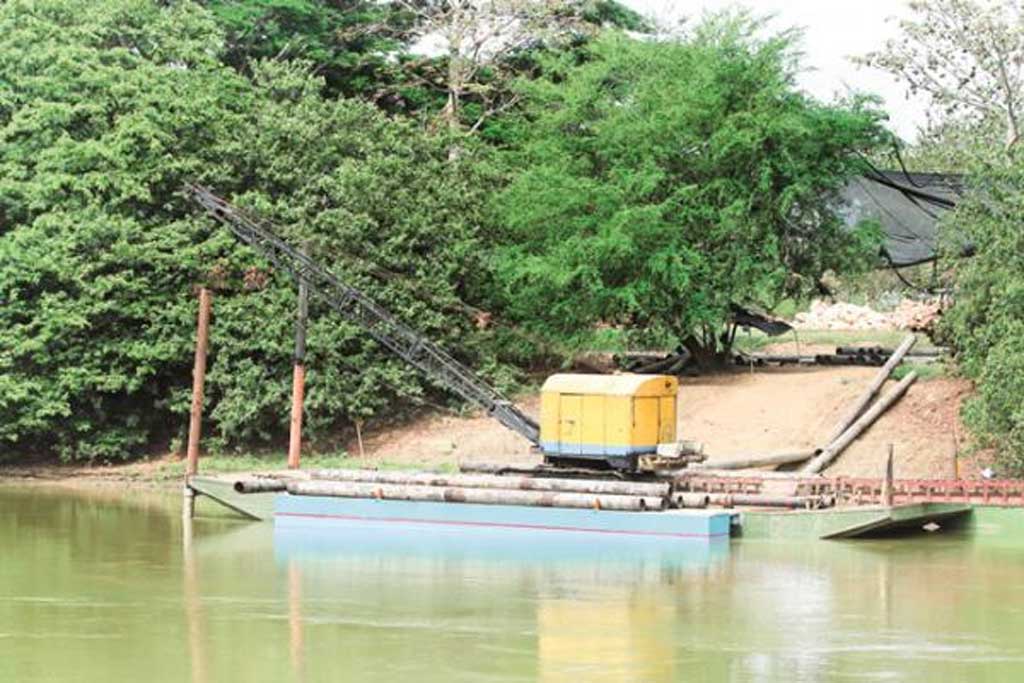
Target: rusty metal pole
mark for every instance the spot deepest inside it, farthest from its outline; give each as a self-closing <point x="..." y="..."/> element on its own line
<point x="198" y="381"/>
<point x="298" y="379"/>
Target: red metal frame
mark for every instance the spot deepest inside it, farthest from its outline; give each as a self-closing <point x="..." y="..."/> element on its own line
<point x="867" y="491"/>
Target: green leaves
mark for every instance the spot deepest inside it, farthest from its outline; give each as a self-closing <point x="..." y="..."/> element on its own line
<point x="986" y="324"/>
<point x="656" y="183"/>
<point x="107" y="109"/>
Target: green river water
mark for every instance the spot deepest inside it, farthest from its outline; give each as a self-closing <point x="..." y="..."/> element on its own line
<point x="101" y="585"/>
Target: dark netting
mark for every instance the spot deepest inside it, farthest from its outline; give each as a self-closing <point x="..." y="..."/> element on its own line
<point x="907" y="205"/>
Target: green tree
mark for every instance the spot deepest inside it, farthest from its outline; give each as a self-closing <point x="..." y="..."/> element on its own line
<point x="986" y="323"/>
<point x="664" y="181"/>
<point x="966" y="56"/>
<point x="106" y="109"/>
<point x="349" y="41"/>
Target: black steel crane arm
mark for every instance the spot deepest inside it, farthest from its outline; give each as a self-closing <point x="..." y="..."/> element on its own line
<point x="359" y="309"/>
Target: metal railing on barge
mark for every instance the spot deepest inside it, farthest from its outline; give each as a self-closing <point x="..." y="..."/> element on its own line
<point x="868" y="490"/>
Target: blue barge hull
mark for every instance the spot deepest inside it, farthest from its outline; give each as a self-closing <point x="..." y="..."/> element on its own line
<point x="670" y="524"/>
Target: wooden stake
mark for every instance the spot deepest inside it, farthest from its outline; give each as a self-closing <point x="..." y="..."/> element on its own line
<point x="198" y="382"/>
<point x="298" y="379"/>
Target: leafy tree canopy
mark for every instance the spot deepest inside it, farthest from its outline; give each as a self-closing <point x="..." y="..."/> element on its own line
<point x="663" y="181"/>
<point x="986" y="323"/>
<point x="106" y="108"/>
<point x="349" y="41"/>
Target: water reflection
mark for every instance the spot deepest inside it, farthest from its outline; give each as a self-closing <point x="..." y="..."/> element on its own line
<point x="295" y="619"/>
<point x="96" y="589"/>
<point x="598" y="610"/>
<point x="362" y="541"/>
<point x="193" y="602"/>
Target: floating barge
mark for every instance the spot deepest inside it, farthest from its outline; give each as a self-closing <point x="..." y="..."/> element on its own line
<point x="540" y="508"/>
<point x="294" y="511"/>
<point x="423" y="500"/>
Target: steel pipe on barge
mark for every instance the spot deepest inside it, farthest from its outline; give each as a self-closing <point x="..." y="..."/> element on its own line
<point x="448" y="494"/>
<point x="260" y="485"/>
<point x="493" y="481"/>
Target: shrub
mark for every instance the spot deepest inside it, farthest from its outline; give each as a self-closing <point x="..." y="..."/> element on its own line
<point x="986" y="324"/>
<point x="106" y="109"/>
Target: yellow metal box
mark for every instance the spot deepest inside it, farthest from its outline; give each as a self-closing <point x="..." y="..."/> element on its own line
<point x="607" y="416"/>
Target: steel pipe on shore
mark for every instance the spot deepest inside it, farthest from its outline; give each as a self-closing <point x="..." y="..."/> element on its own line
<point x="751" y="461"/>
<point x="491" y="481"/>
<point x="442" y="494"/>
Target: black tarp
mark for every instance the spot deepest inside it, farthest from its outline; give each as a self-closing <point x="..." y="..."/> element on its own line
<point x="907" y="205"/>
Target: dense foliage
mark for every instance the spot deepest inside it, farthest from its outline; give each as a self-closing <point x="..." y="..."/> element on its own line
<point x="646" y="185"/>
<point x="349" y="41"/>
<point x="665" y="181"/>
<point x="106" y="108"/>
<point x="986" y="324"/>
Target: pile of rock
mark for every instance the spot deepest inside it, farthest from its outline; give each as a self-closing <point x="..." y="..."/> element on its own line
<point x="909" y="315"/>
<point x="841" y="316"/>
<point x="918" y="316"/>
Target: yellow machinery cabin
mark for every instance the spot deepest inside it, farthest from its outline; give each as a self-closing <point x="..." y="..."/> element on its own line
<point x="614" y="418"/>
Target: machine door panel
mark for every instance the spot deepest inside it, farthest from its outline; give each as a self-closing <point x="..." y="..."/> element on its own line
<point x="667" y="419"/>
<point x="570" y="424"/>
<point x="645" y="421"/>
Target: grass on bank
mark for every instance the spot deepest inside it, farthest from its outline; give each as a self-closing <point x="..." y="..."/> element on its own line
<point x="227" y="463"/>
<point x="755" y="340"/>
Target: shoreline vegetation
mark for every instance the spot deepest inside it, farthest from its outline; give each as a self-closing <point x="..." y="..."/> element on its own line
<point x="169" y="471"/>
<point x="513" y="203"/>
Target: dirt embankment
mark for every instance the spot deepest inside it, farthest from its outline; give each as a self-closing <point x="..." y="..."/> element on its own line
<point x="740" y="413"/>
<point x="764" y="411"/>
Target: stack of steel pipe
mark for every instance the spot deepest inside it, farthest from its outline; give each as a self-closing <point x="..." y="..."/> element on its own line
<point x="445" y="493"/>
<point x="462" y="488"/>
<point x="493" y="481"/>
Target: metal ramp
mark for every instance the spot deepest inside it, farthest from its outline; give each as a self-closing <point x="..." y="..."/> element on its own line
<point x="254" y="506"/>
<point x="900" y="519"/>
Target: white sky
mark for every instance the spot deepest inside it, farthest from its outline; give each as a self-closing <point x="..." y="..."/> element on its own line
<point x="833" y="31"/>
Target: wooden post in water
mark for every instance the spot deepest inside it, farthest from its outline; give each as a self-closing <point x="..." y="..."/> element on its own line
<point x="198" y="382"/>
<point x="195" y="422"/>
<point x="298" y="379"/>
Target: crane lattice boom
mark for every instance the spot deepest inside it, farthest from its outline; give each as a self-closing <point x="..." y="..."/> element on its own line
<point x="359" y="309"/>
